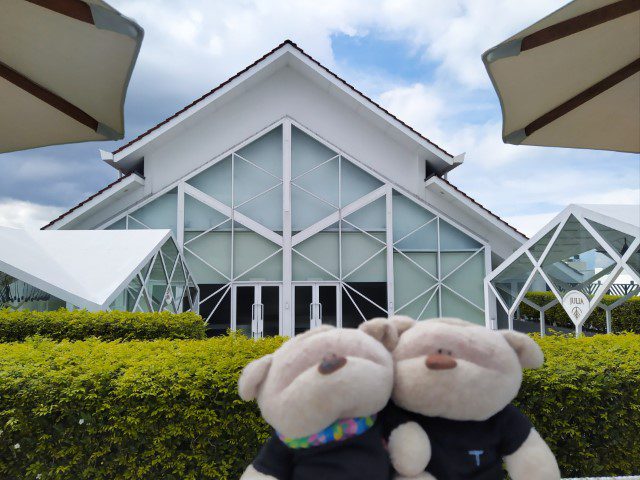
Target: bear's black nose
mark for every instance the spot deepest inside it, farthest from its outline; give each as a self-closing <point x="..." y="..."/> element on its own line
<point x="331" y="363"/>
<point x="438" y="361"/>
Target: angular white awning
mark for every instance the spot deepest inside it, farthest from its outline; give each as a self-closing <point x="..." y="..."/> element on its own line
<point x="83" y="267"/>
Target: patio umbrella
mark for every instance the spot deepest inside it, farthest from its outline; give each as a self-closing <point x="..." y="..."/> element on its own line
<point x="573" y="78"/>
<point x="64" y="70"/>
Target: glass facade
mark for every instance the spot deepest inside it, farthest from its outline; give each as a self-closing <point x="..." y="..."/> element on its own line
<point x="163" y="284"/>
<point x="281" y="241"/>
<point x="18" y="295"/>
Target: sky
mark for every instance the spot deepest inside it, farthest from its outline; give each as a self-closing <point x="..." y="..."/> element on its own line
<point x="420" y="59"/>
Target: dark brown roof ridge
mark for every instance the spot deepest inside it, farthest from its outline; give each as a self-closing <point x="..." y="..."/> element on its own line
<point x="483" y="207"/>
<point x="86" y="200"/>
<point x="265" y="56"/>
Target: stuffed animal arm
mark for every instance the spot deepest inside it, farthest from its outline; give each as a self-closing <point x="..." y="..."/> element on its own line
<point x="533" y="460"/>
<point x="409" y="449"/>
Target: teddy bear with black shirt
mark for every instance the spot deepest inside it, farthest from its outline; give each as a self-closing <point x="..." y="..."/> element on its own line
<point x="451" y="416"/>
<point x="322" y="391"/>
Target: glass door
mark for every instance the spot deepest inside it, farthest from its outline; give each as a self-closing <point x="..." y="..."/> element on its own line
<point x="257" y="309"/>
<point x="315" y="304"/>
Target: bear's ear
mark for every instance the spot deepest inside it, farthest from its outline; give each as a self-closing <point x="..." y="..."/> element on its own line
<point x="382" y="330"/>
<point x="252" y="377"/>
<point x="529" y="352"/>
<point x="402" y="323"/>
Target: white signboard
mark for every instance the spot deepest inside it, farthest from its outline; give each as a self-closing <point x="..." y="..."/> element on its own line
<point x="576" y="304"/>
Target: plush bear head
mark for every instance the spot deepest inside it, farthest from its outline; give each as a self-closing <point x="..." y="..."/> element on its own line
<point x="459" y="370"/>
<point x="321" y="376"/>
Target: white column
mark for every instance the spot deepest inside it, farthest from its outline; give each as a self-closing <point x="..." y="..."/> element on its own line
<point x="542" y="324"/>
<point x="608" y="316"/>
<point x="490" y="310"/>
<point x="510" y="320"/>
<point x="390" y="279"/>
<point x="287" y="313"/>
<point x="180" y="216"/>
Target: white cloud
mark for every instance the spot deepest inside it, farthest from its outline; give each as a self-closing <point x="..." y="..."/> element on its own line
<point x="20" y="214"/>
<point x="530" y="224"/>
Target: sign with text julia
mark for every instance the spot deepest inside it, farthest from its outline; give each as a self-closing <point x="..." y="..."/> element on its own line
<point x="576" y="304"/>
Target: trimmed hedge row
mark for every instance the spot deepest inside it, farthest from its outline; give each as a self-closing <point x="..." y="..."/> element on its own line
<point x="625" y="318"/>
<point x="170" y="409"/>
<point x="16" y="325"/>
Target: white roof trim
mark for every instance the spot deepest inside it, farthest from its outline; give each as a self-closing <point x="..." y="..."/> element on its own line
<point x="132" y="179"/>
<point x="262" y="64"/>
<point x="434" y="183"/>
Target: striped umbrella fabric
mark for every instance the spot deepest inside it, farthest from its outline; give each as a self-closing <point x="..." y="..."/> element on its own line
<point x="65" y="67"/>
<point x="573" y="78"/>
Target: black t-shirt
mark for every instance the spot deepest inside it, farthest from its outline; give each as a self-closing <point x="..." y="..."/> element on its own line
<point x="467" y="450"/>
<point x="363" y="457"/>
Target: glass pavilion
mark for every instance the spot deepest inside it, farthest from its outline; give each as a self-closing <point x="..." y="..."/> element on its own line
<point x="589" y="249"/>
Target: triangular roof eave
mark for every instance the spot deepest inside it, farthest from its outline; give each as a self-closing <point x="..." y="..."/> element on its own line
<point x="287" y="47"/>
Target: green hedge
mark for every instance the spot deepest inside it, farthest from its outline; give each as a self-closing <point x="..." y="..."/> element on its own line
<point x="16" y="325"/>
<point x="585" y="401"/>
<point x="169" y="409"/>
<point x="625" y="318"/>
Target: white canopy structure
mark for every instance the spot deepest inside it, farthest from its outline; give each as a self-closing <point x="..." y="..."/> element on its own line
<point x="136" y="270"/>
<point x="580" y="256"/>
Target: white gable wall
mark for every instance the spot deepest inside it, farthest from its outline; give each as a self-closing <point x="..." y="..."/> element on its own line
<point x="218" y="128"/>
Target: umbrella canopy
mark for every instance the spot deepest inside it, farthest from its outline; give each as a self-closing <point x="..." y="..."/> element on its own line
<point x="573" y="78"/>
<point x="64" y="70"/>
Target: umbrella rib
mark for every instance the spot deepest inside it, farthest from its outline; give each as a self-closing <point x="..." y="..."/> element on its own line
<point x="71" y="8"/>
<point x="48" y="97"/>
<point x="579" y="23"/>
<point x="583" y="97"/>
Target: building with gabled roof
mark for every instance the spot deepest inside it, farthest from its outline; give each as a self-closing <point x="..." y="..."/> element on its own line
<point x="297" y="200"/>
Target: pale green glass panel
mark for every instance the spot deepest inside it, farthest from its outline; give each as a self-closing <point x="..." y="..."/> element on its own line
<point x="249" y="181"/>
<point x="616" y="239"/>
<point x="269" y="270"/>
<point x="574" y="258"/>
<point x="358" y="247"/>
<point x="306" y="152"/>
<point x="468" y="280"/>
<point x="427" y="260"/>
<point x="306" y="210"/>
<point x="266" y="209"/>
<point x="409" y="280"/>
<point x="157" y="283"/>
<point x="266" y="151"/>
<point x="159" y="213"/>
<point x="198" y="216"/>
<point x="143" y="305"/>
<point x="215" y="181"/>
<point x="356" y="182"/>
<point x="372" y="217"/>
<point x="323" y="249"/>
<point x="634" y="261"/>
<point x="120" y="302"/>
<point x="537" y="249"/>
<point x="407" y="216"/>
<point x="423" y="239"/>
<point x="322" y="182"/>
<point x="178" y="284"/>
<point x="304" y="270"/>
<point x="215" y="249"/>
<point x="453" y="239"/>
<point x="451" y="260"/>
<point x="423" y="308"/>
<point x="249" y="248"/>
<point x="511" y="280"/>
<point x="170" y="252"/>
<point x="119" y="225"/>
<point x="454" y="306"/>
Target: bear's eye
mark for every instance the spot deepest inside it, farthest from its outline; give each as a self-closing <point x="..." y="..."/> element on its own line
<point x="449" y="352"/>
<point x="440" y="351"/>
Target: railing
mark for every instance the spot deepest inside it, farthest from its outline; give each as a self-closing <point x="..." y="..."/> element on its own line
<point x="620" y="289"/>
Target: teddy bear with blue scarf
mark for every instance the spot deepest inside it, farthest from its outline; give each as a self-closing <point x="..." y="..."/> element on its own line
<point x="322" y="391"/>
